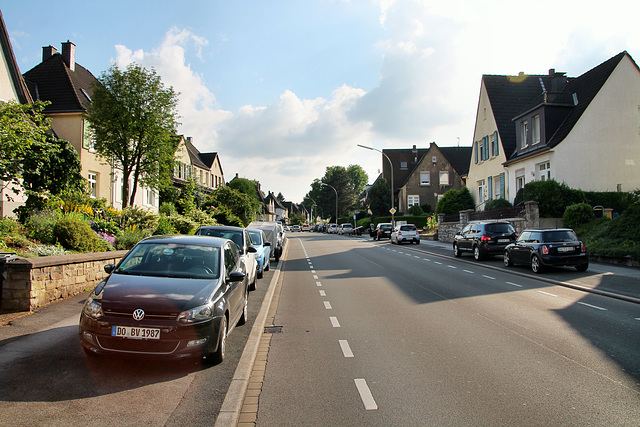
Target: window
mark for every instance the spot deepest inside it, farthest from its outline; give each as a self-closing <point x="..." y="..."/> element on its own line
<point x="93" y="184"/>
<point x="524" y="134"/>
<point x="425" y="178"/>
<point x="536" y="129"/>
<point x="497" y="185"/>
<point x="519" y="179"/>
<point x="495" y="148"/>
<point x="413" y="200"/>
<point x="544" y="171"/>
<point x="403" y="166"/>
<point x="444" y="177"/>
<point x="151" y="197"/>
<point x="88" y="140"/>
<point x="481" y="191"/>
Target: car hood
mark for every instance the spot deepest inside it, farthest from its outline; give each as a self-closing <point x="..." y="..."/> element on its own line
<point x="156" y="294"/>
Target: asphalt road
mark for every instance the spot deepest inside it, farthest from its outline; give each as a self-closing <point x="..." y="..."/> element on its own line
<point x="46" y="379"/>
<point x="379" y="334"/>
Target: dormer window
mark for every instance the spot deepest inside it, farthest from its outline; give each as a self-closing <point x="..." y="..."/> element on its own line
<point x="535" y="122"/>
<point x="524" y="134"/>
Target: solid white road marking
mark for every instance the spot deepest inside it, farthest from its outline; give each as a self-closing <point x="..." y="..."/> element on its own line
<point x="327" y="305"/>
<point x="365" y="394"/>
<point x="346" y="350"/>
<point x="334" y="322"/>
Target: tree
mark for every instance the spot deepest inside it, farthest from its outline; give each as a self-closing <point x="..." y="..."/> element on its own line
<point x="325" y="196"/>
<point x="133" y="118"/>
<point x="21" y="128"/>
<point x="454" y="201"/>
<point x="246" y="186"/>
<point x="280" y="197"/>
<point x="240" y="204"/>
<point x="380" y="197"/>
<point x="359" y="178"/>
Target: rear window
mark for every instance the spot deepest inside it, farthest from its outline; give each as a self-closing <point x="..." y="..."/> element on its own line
<point x="407" y="228"/>
<point x="385" y="227"/>
<point x="559" y="236"/>
<point x="499" y="228"/>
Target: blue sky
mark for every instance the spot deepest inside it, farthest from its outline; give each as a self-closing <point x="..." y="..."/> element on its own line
<point x="283" y="89"/>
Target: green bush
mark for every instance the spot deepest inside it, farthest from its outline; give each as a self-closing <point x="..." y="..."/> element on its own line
<point x="9" y="226"/>
<point x="129" y="238"/>
<point x="167" y="209"/>
<point x="454" y="201"/>
<point x="201" y="217"/>
<point x="364" y="222"/>
<point x="165" y="226"/>
<point x="415" y="210"/>
<point x="497" y="204"/>
<point x="133" y="216"/>
<point x="76" y="235"/>
<point x="552" y="197"/>
<point x="577" y="214"/>
<point x="614" y="238"/>
<point x="426" y="208"/>
<point x="183" y="224"/>
<point x="40" y="226"/>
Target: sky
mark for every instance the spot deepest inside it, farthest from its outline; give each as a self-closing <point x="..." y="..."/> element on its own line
<point x="281" y="90"/>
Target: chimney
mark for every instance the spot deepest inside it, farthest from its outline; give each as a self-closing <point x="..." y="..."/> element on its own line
<point x="69" y="54"/>
<point x="47" y="52"/>
<point x="552" y="72"/>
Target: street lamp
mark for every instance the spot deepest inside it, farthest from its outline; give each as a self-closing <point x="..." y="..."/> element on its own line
<point x="393" y="199"/>
<point x="322" y="183"/>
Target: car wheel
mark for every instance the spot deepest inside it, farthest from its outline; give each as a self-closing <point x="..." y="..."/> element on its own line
<point x="582" y="267"/>
<point x="507" y="259"/>
<point x="456" y="250"/>
<point x="245" y="310"/>
<point x="267" y="266"/>
<point x="252" y="285"/>
<point x="259" y="274"/>
<point x="536" y="265"/>
<point x="218" y="355"/>
<point x="477" y="255"/>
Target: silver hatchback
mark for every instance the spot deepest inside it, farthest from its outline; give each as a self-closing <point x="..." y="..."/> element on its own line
<point x="405" y="233"/>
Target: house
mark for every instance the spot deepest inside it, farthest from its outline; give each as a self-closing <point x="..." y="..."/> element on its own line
<point x="68" y="86"/>
<point x="582" y="131"/>
<point x="12" y="88"/>
<point x="280" y="211"/>
<point x="204" y="168"/>
<point x="422" y="175"/>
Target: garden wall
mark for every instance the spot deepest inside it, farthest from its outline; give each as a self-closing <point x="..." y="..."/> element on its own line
<point x="30" y="283"/>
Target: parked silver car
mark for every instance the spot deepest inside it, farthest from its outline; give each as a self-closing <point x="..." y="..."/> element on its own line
<point x="405" y="233"/>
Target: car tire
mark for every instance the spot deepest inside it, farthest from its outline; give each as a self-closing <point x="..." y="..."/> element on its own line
<point x="259" y="274"/>
<point x="456" y="251"/>
<point x="536" y="264"/>
<point x="477" y="255"/>
<point x="252" y="285"/>
<point x="507" y="259"/>
<point x="267" y="266"/>
<point x="582" y="267"/>
<point x="245" y="310"/>
<point x="218" y="356"/>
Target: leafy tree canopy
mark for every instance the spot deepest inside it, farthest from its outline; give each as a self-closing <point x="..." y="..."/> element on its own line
<point x="240" y="204"/>
<point x="246" y="186"/>
<point x="133" y="118"/>
<point x="324" y="196"/>
<point x="454" y="201"/>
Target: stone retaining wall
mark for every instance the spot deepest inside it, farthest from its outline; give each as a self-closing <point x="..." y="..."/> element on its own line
<point x="30" y="283"/>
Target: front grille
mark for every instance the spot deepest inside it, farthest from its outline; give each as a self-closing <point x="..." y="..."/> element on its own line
<point x="138" y="346"/>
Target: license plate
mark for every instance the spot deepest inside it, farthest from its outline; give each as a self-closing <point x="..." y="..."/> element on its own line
<point x="565" y="249"/>
<point x="503" y="240"/>
<point x="135" y="332"/>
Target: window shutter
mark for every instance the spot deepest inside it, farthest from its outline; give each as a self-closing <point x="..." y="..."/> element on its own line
<point x="502" y="186"/>
<point x="475" y="146"/>
<point x="495" y="142"/>
<point x="490" y="187"/>
<point x="486" y="147"/>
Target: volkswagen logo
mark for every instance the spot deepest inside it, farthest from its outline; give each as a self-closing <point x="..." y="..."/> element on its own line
<point x="138" y="314"/>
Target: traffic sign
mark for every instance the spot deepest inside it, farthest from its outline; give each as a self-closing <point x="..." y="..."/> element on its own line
<point x="392" y="210"/>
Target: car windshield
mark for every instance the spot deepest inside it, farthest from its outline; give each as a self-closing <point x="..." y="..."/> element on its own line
<point x="500" y="228"/>
<point x="233" y="235"/>
<point x="559" y="236"/>
<point x="172" y="260"/>
<point x="256" y="238"/>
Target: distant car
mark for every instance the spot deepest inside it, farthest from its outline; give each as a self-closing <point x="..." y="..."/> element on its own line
<point x="239" y="236"/>
<point x="484" y="238"/>
<point x="263" y="250"/>
<point x="405" y="233"/>
<point x="345" y="229"/>
<point x="542" y="248"/>
<point x="170" y="297"/>
<point x="383" y="231"/>
<point x="332" y="228"/>
<point x="305" y="227"/>
<point x="295" y="228"/>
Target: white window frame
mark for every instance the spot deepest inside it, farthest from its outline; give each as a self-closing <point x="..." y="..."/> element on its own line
<point x="425" y="178"/>
<point x="524" y="134"/>
<point x="535" y="129"/>
<point x="413" y="200"/>
<point x="445" y="175"/>
<point x="92" y="177"/>
<point x="482" y="188"/>
<point x="543" y="171"/>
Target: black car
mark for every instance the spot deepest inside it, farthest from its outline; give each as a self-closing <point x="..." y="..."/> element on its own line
<point x="382" y="231"/>
<point x="484" y="238"/>
<point x="170" y="297"/>
<point x="541" y="248"/>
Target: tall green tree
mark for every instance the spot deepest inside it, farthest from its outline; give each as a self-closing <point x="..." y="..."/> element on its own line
<point x="324" y="196"/>
<point x="240" y="204"/>
<point x="380" y="198"/>
<point x="246" y="186"/>
<point x="359" y="178"/>
<point x="133" y="117"/>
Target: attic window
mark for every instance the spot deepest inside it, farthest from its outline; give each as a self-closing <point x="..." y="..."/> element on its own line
<point x="84" y="92"/>
<point x="575" y="99"/>
<point x="403" y="166"/>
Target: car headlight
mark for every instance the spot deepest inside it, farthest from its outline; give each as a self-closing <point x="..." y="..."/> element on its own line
<point x="93" y="308"/>
<point x="197" y="314"/>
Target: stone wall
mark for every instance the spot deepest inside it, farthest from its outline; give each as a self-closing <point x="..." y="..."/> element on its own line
<point x="30" y="283"/>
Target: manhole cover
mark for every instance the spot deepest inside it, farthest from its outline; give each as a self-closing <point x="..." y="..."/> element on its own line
<point x="272" y="329"/>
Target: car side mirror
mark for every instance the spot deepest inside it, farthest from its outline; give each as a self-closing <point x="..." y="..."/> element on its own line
<point x="267" y="243"/>
<point x="109" y="268"/>
<point x="236" y="276"/>
<point x="252" y="249"/>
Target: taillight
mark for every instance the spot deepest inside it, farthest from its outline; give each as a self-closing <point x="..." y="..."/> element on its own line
<point x="399" y="233"/>
<point x="583" y="248"/>
<point x="485" y="238"/>
<point x="545" y="249"/>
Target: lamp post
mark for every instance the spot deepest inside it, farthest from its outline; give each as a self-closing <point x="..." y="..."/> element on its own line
<point x="322" y="183"/>
<point x="393" y="199"/>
